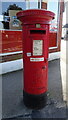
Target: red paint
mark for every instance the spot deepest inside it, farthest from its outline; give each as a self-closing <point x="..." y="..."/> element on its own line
<point x="52" y="39"/>
<point x="35" y="73"/>
<point x="11" y="41"/>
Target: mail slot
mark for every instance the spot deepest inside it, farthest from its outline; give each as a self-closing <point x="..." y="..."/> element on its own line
<point x="35" y="55"/>
<point x="37" y="31"/>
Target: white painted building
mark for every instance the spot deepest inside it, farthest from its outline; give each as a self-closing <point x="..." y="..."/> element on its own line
<point x="64" y="55"/>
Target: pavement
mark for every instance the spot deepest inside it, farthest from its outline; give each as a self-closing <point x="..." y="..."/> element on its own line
<point x="12" y="96"/>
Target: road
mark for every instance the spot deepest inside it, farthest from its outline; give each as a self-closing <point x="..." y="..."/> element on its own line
<point x="12" y="96"/>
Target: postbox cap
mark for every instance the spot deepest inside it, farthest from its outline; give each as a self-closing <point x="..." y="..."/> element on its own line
<point x="35" y="15"/>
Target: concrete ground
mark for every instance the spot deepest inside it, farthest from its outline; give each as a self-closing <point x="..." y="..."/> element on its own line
<point x="12" y="96"/>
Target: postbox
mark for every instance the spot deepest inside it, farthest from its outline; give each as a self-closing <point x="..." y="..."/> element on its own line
<point x="35" y="25"/>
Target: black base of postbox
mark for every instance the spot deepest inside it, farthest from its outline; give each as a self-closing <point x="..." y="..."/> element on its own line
<point x="35" y="101"/>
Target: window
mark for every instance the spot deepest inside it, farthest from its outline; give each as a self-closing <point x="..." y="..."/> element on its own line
<point x="10" y="9"/>
<point x="54" y="7"/>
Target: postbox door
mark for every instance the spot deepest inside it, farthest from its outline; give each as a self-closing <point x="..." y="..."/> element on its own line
<point x="38" y="65"/>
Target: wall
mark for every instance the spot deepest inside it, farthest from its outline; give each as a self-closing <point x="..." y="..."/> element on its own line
<point x="64" y="58"/>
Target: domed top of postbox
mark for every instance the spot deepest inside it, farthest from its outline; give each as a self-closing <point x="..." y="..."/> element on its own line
<point x="35" y="16"/>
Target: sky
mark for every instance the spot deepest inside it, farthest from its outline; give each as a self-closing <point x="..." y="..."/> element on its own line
<point x="20" y="4"/>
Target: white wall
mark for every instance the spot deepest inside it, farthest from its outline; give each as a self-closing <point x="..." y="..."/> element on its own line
<point x="66" y="5"/>
<point x="64" y="58"/>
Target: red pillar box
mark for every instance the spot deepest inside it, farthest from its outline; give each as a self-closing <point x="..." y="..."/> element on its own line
<point x="35" y="25"/>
